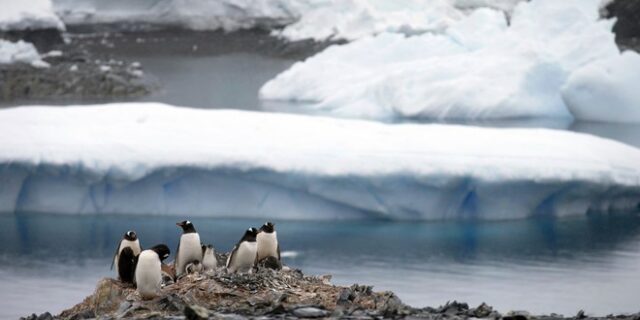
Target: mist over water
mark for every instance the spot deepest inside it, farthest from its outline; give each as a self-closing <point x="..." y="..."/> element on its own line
<point x="50" y="262"/>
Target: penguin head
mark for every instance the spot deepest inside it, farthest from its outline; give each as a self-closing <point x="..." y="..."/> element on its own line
<point x="250" y="235"/>
<point x="131" y="235"/>
<point x="162" y="251"/>
<point x="268" y="227"/>
<point x="187" y="226"/>
<point x="205" y="247"/>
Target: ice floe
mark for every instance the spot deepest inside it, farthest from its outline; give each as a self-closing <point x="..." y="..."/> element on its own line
<point x="159" y="159"/>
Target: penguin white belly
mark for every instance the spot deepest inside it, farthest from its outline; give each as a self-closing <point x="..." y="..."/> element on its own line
<point x="244" y="258"/>
<point x="134" y="245"/>
<point x="188" y="251"/>
<point x="209" y="261"/>
<point x="148" y="274"/>
<point x="267" y="245"/>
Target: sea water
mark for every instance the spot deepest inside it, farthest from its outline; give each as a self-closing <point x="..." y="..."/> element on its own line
<point x="49" y="262"/>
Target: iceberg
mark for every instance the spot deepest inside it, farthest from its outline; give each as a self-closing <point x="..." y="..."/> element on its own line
<point x="20" y="52"/>
<point x="28" y="15"/>
<point x="149" y="158"/>
<point x="293" y="20"/>
<point x="483" y="66"/>
<point x="606" y="90"/>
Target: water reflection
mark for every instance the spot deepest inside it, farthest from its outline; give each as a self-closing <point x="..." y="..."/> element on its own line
<point x="425" y="263"/>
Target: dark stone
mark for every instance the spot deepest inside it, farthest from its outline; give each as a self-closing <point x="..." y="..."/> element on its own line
<point x="87" y="314"/>
<point x="195" y="312"/>
<point x="43" y="39"/>
<point x="172" y="302"/>
<point x="482" y="311"/>
<point x="627" y="14"/>
<point x="45" y="316"/>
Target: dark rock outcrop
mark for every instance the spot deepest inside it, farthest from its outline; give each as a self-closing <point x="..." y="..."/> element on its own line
<point x="627" y="26"/>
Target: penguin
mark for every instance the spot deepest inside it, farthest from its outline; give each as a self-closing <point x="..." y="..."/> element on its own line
<point x="209" y="261"/>
<point x="267" y="240"/>
<point x="127" y="265"/>
<point x="130" y="239"/>
<point x="193" y="267"/>
<point x="243" y="256"/>
<point x="148" y="274"/>
<point x="189" y="247"/>
<point x="168" y="274"/>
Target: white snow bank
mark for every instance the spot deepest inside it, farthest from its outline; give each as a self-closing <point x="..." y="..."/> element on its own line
<point x="355" y="19"/>
<point x="20" y="52"/>
<point x="195" y="14"/>
<point x="158" y="159"/>
<point x="606" y="90"/>
<point x="302" y="19"/>
<point x="479" y="68"/>
<point x="28" y="15"/>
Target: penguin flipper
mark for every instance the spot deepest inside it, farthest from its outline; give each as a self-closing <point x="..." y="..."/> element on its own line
<point x="115" y="254"/>
<point x="278" y="252"/>
<point x="231" y="256"/>
<point x="175" y="261"/>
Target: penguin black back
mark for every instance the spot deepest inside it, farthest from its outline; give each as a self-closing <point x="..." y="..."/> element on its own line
<point x="127" y="265"/>
<point x="187" y="226"/>
<point x="268" y="227"/>
<point x="162" y="251"/>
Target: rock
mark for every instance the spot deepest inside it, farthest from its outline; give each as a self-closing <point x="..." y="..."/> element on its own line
<point x="45" y="316"/>
<point x="627" y="26"/>
<point x="196" y="312"/>
<point x="310" y="312"/>
<point x="482" y="311"/>
<point x="270" y="263"/>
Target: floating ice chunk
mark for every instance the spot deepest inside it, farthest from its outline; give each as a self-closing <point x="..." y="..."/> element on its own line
<point x="479" y="68"/>
<point x="19" y="52"/>
<point x="158" y="159"/>
<point x="606" y="90"/>
<point x="28" y="15"/>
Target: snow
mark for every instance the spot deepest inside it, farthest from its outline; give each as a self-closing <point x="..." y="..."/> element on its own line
<point x="28" y="15"/>
<point x="606" y="90"/>
<point x="480" y="67"/>
<point x="20" y="52"/>
<point x="158" y="159"/>
<point x="301" y="19"/>
<point x="229" y="15"/>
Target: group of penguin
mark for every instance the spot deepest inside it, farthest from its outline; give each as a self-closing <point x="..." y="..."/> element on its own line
<point x="146" y="270"/>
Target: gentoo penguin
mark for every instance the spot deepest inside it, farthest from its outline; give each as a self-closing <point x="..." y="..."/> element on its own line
<point x="243" y="256"/>
<point x="189" y="248"/>
<point x="127" y="265"/>
<point x="148" y="271"/>
<point x="129" y="240"/>
<point x="209" y="261"/>
<point x="193" y="267"/>
<point x="268" y="242"/>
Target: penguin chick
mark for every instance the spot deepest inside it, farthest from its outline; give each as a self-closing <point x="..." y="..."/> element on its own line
<point x="148" y="274"/>
<point x="267" y="240"/>
<point x="127" y="265"/>
<point x="129" y="240"/>
<point x="189" y="247"/>
<point x="168" y="274"/>
<point x="243" y="256"/>
<point x="193" y="267"/>
<point x="209" y="261"/>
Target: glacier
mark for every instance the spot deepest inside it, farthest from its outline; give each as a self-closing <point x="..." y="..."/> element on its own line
<point x="28" y="15"/>
<point x="483" y="66"/>
<point x="150" y="158"/>
<point x="293" y="20"/>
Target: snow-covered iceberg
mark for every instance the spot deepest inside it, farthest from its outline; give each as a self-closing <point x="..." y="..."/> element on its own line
<point x="28" y="15"/>
<point x="20" y="52"/>
<point x="194" y="14"/>
<point x="159" y="159"/>
<point x="294" y="19"/>
<point x="481" y="67"/>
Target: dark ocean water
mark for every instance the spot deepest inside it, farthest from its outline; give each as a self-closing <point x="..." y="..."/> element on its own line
<point x="50" y="262"/>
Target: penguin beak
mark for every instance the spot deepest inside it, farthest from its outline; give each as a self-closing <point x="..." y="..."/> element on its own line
<point x="179" y="224"/>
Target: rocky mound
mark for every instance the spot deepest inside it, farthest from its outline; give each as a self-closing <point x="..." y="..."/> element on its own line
<point x="270" y="294"/>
